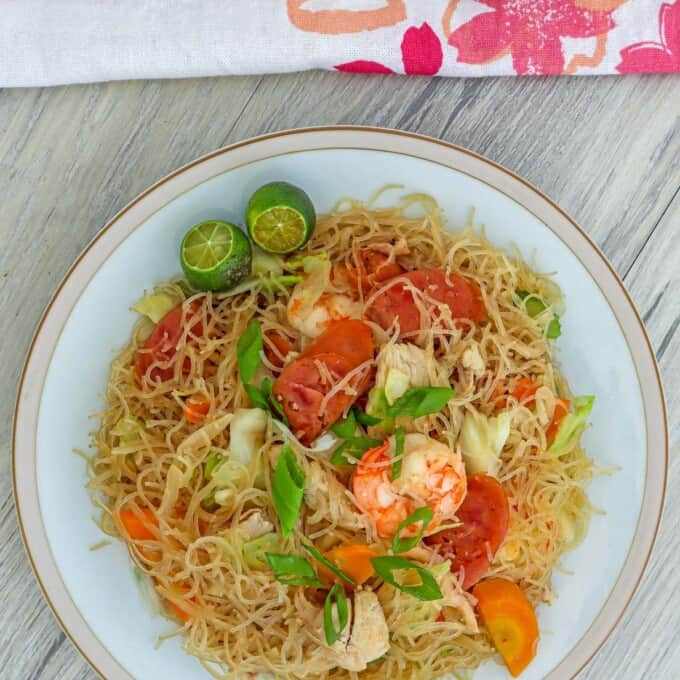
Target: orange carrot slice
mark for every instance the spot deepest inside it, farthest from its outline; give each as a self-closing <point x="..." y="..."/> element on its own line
<point x="562" y="407"/>
<point x="510" y="620"/>
<point x="195" y="408"/>
<point x="353" y="560"/>
<point x="137" y="525"/>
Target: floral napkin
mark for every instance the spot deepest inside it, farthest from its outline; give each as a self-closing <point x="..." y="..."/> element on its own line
<point x="43" y="42"/>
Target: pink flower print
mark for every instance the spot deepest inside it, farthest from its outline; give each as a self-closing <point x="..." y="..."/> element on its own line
<point x="531" y="31"/>
<point x="656" y="57"/>
<point x="421" y="54"/>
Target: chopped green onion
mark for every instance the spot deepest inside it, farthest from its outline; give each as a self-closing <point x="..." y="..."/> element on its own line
<point x="399" y="438"/>
<point x="378" y="660"/>
<point x="328" y="564"/>
<point x="263" y="397"/>
<point x="249" y="351"/>
<point x="212" y="462"/>
<point x="554" y="329"/>
<point x="275" y="405"/>
<point x="427" y="590"/>
<point x="347" y="428"/>
<point x="420" y="401"/>
<point x="366" y="419"/>
<point x="535" y="306"/>
<point x="336" y="602"/>
<point x="257" y="397"/>
<point x="293" y="571"/>
<point x="288" y="489"/>
<point x="352" y="449"/>
<point x="424" y="516"/>
<point x="279" y="282"/>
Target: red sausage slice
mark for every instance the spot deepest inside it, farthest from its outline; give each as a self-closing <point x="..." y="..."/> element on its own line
<point x="484" y="515"/>
<point x="301" y="388"/>
<point x="350" y="338"/>
<point x="462" y="296"/>
<point x="161" y="345"/>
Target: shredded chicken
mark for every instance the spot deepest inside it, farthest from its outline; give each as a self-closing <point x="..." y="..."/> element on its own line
<point x="254" y="526"/>
<point x="472" y="367"/>
<point x="369" y="639"/>
<point x="418" y="364"/>
<point x="326" y="495"/>
<point x="472" y="360"/>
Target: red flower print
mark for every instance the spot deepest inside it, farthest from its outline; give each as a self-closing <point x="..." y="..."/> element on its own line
<point x="421" y="51"/>
<point x="421" y="54"/>
<point x="656" y="57"/>
<point x="362" y="66"/>
<point x="531" y="30"/>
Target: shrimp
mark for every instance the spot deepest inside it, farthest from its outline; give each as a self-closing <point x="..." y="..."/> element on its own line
<point x="313" y="304"/>
<point x="432" y="475"/>
<point x="330" y="307"/>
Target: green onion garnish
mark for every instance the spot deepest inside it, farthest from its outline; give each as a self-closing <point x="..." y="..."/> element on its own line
<point x="427" y="590"/>
<point x="257" y="397"/>
<point x="212" y="462"/>
<point x="424" y="516"/>
<point x="249" y="351"/>
<point x="293" y="571"/>
<point x="535" y="306"/>
<point x="351" y="450"/>
<point x="399" y="438"/>
<point x="336" y="603"/>
<point x="365" y="419"/>
<point x="347" y="428"/>
<point x="420" y="401"/>
<point x="328" y="564"/>
<point x="274" y="405"/>
<point x="288" y="489"/>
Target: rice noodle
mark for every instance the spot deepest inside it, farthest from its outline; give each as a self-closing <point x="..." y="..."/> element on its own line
<point x="243" y="621"/>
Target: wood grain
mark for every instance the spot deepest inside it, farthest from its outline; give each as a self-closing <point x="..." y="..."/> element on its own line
<point x="606" y="149"/>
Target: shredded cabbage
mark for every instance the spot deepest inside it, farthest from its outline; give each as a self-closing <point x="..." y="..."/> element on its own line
<point x="482" y="439"/>
<point x="265" y="264"/>
<point x="128" y="429"/>
<point x="246" y="433"/>
<point x="254" y="551"/>
<point x="572" y="425"/>
<point x="396" y="385"/>
<point x="156" y="305"/>
<point x="307" y="293"/>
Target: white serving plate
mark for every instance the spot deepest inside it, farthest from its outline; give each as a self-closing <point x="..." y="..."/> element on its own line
<point x="604" y="350"/>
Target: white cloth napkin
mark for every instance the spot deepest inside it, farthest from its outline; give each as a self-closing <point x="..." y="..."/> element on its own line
<point x="51" y="42"/>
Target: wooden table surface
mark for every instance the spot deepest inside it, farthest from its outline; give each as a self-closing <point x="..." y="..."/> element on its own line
<point x="606" y="149"/>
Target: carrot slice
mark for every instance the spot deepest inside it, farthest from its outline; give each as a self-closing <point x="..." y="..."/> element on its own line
<point x="196" y="408"/>
<point x="180" y="613"/>
<point x="138" y="527"/>
<point x="510" y="620"/>
<point x="562" y="407"/>
<point x="353" y="560"/>
<point x="524" y="392"/>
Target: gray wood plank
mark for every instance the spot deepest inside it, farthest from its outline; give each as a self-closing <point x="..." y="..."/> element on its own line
<point x="644" y="644"/>
<point x="607" y="149"/>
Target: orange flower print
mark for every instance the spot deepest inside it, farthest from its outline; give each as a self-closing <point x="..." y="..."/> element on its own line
<point x="421" y="54"/>
<point x="531" y="31"/>
<point x="335" y="21"/>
